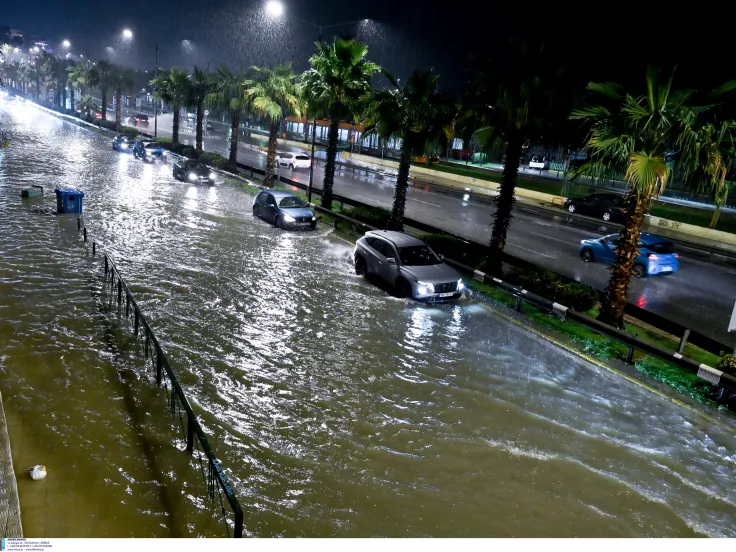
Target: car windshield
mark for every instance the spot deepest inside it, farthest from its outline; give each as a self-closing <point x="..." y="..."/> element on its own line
<point x="153" y="145"/>
<point x="195" y="166"/>
<point x="663" y="248"/>
<point x="143" y="117"/>
<point x="417" y="255"/>
<point x="302" y="157"/>
<point x="291" y="202"/>
<point x="537" y="159"/>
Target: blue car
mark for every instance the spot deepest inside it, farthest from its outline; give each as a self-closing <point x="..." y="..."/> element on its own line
<point x="150" y="151"/>
<point x="123" y="143"/>
<point x="656" y="255"/>
<point x="284" y="210"/>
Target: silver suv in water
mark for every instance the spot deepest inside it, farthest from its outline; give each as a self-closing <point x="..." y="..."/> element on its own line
<point x="408" y="264"/>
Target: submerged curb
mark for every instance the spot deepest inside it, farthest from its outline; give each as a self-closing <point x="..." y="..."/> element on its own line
<point x="9" y="502"/>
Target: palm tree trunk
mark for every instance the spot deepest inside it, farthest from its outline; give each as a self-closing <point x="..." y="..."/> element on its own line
<point x="714" y="218"/>
<point x="617" y="292"/>
<point x="71" y="99"/>
<point x="271" y="157"/>
<point x="200" y="116"/>
<point x="103" y="98"/>
<point x="118" y="98"/>
<point x="396" y="222"/>
<point x="63" y="96"/>
<point x="232" y="164"/>
<point x="175" y="125"/>
<point x="329" y="180"/>
<point x="505" y="203"/>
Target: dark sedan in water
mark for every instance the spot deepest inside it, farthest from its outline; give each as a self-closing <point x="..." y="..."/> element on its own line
<point x="606" y="206"/>
<point x="193" y="171"/>
<point x="122" y="143"/>
<point x="284" y="210"/>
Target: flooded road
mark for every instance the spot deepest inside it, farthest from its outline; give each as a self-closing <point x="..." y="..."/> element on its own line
<point x="335" y="409"/>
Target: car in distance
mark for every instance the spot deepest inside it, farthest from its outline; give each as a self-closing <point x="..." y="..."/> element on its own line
<point x="196" y="172"/>
<point x="656" y="255"/>
<point x="138" y="119"/>
<point x="284" y="209"/>
<point x="122" y="143"/>
<point x="606" y="206"/>
<point x="539" y="162"/>
<point x="149" y="151"/>
<point x="208" y="126"/>
<point x="292" y="160"/>
<point x="408" y="265"/>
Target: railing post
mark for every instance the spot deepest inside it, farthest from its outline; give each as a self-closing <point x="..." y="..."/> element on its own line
<point x="79" y="224"/>
<point x="630" y="356"/>
<point x="127" y="305"/>
<point x="159" y="367"/>
<point x="238" y="534"/>
<point x="518" y="304"/>
<point x="94" y="248"/>
<point x="683" y="340"/>
<point x="85" y="234"/>
<point x="105" y="264"/>
<point x="190" y="432"/>
<point x="135" y="324"/>
<point x="120" y="291"/>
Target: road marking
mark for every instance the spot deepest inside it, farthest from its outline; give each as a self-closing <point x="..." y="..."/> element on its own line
<point x="550" y="238"/>
<point x="370" y="199"/>
<point x="427" y="202"/>
<point x="532" y="251"/>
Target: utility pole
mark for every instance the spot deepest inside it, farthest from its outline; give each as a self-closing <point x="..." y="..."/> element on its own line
<point x="155" y="103"/>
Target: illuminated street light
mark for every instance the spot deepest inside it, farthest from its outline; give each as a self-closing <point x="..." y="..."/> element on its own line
<point x="127" y="34"/>
<point x="66" y="44"/>
<point x="275" y="8"/>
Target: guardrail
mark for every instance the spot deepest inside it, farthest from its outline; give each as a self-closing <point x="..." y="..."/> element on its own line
<point x="215" y="477"/>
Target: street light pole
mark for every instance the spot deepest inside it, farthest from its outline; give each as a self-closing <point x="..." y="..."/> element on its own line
<point x="155" y="103"/>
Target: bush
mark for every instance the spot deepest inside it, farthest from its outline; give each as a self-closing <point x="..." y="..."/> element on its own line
<point x="130" y="132"/>
<point x="214" y="160"/>
<point x="373" y="216"/>
<point x="727" y="363"/>
<point x="577" y="296"/>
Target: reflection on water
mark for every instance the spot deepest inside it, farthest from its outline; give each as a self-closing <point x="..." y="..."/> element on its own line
<point x="336" y="409"/>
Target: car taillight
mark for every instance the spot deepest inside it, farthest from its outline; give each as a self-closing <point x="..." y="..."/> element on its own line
<point x="652" y="256"/>
<point x="677" y="255"/>
<point x="624" y="211"/>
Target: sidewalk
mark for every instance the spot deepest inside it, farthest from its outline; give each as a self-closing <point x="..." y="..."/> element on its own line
<point x="10" y="526"/>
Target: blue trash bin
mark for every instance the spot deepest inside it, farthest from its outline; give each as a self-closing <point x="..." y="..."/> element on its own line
<point x="68" y="201"/>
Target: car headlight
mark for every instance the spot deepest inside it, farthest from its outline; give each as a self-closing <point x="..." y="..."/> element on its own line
<point x="314" y="218"/>
<point x="192" y="176"/>
<point x="460" y="285"/>
<point x="289" y="218"/>
<point x="123" y="146"/>
<point x="212" y="176"/>
<point x="424" y="288"/>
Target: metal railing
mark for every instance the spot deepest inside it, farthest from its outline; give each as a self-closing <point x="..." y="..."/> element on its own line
<point x="215" y="478"/>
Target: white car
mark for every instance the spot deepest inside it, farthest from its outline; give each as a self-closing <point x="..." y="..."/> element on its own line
<point x="539" y="162"/>
<point x="292" y="160"/>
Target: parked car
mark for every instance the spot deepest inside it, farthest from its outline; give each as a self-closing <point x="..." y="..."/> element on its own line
<point x="148" y="150"/>
<point x="196" y="172"/>
<point x="656" y="255"/>
<point x="122" y="143"/>
<point x="284" y="210"/>
<point x="539" y="162"/>
<point x="408" y="264"/>
<point x="606" y="206"/>
<point x="208" y="126"/>
<point x="292" y="160"/>
<point x="138" y="119"/>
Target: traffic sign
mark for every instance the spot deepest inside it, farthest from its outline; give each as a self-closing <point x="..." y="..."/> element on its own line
<point x="206" y="112"/>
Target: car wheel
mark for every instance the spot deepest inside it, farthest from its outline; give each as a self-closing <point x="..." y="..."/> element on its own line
<point x="361" y="268"/>
<point x="313" y="226"/>
<point x="255" y="211"/>
<point x="404" y="289"/>
<point x="279" y="223"/>
<point x="176" y="175"/>
<point x="587" y="255"/>
<point x="639" y="270"/>
<point x="606" y="216"/>
<point x="571" y="208"/>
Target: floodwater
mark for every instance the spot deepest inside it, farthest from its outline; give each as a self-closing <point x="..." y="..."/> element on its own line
<point x="336" y="410"/>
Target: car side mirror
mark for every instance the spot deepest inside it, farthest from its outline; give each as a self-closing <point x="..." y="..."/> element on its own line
<point x="391" y="260"/>
<point x="441" y="256"/>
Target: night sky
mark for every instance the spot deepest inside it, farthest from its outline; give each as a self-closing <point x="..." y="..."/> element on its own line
<point x="597" y="42"/>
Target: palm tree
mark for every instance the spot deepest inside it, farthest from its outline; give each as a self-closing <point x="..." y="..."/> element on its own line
<point x="339" y="77"/>
<point x="519" y="98"/>
<point x="49" y="67"/>
<point x="414" y="113"/>
<point x="201" y="84"/>
<point x="24" y="74"/>
<point x="78" y="77"/>
<point x="273" y="93"/>
<point x="87" y="105"/>
<point x="175" y="89"/>
<point x="229" y="94"/>
<point x="635" y="135"/>
<point x="121" y="81"/>
<point x="101" y="76"/>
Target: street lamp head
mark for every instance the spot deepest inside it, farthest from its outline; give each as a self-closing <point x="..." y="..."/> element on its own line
<point x="66" y="44"/>
<point x="127" y="34"/>
<point x="275" y="8"/>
